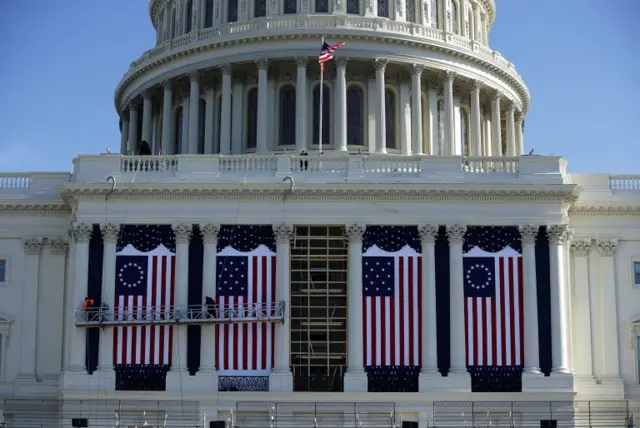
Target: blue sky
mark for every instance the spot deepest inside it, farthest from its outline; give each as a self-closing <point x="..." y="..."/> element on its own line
<point x="62" y="60"/>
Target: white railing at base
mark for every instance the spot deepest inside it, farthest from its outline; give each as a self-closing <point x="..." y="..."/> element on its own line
<point x="626" y="182"/>
<point x="149" y="164"/>
<point x="15" y="181"/>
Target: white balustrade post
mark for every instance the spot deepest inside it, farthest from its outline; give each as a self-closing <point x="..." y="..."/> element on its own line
<point x="429" y="371"/>
<point x="301" y="104"/>
<point x="225" y="113"/>
<point x="167" y="119"/>
<point x="449" y="118"/>
<point x="355" y="379"/>
<point x="147" y="116"/>
<point x="511" y="128"/>
<point x="194" y="112"/>
<point x="263" y="113"/>
<point x="582" y="311"/>
<point x="132" y="145"/>
<point x="207" y="369"/>
<point x="416" y="108"/>
<point x="496" y="125"/>
<point x="341" y="102"/>
<point x="28" y="333"/>
<point x="110" y="234"/>
<point x="281" y="379"/>
<point x="476" y="136"/>
<point x="519" y="134"/>
<point x="381" y="132"/>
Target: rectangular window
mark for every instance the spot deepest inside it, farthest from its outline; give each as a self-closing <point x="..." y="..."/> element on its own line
<point x="3" y="271"/>
<point x="636" y="273"/>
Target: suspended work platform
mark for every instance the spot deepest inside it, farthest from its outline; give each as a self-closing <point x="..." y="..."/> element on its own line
<point x="188" y="315"/>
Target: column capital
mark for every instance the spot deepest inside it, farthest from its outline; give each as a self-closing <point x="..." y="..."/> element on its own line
<point x="417" y="69"/>
<point x="167" y="85"/>
<point x="194" y="76"/>
<point x="449" y="76"/>
<point x="354" y="232"/>
<point x="558" y="234"/>
<point x="110" y="232"/>
<point x="226" y="69"/>
<point x="528" y="233"/>
<point x="301" y="61"/>
<point x="509" y="105"/>
<point x="263" y="64"/>
<point x="476" y="85"/>
<point x="146" y="94"/>
<point x="182" y="232"/>
<point x="433" y="84"/>
<point x="342" y="61"/>
<point x="580" y="247"/>
<point x="380" y="64"/>
<point x="455" y="233"/>
<point x="59" y="245"/>
<point x="210" y="232"/>
<point x="519" y="116"/>
<point x="428" y="233"/>
<point x="607" y="247"/>
<point x="33" y="245"/>
<point x="283" y="233"/>
<point x="496" y="95"/>
<point x="82" y="232"/>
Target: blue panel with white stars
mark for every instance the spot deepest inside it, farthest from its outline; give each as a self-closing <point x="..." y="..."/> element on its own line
<point x="233" y="273"/>
<point x="479" y="276"/>
<point x="146" y="237"/>
<point x="246" y="238"/>
<point x="492" y="238"/>
<point x="378" y="275"/>
<point x="131" y="275"/>
<point x="391" y="238"/>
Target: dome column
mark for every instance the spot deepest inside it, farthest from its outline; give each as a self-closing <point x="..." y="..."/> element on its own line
<point x="167" y="118"/>
<point x="194" y="113"/>
<point x="496" y="135"/>
<point x="511" y="129"/>
<point x="432" y="117"/>
<point x="225" y="113"/>
<point x="449" y="119"/>
<point x="519" y="137"/>
<point x="208" y="121"/>
<point x="263" y="113"/>
<point x="416" y="108"/>
<point x="405" y="115"/>
<point x="476" y="136"/>
<point x="381" y="131"/>
<point x="133" y="128"/>
<point x="341" y="104"/>
<point x="147" y="116"/>
<point x="124" y="135"/>
<point x="301" y="104"/>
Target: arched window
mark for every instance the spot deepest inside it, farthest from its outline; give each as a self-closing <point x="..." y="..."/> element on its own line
<point x="202" y="114"/>
<point x="208" y="14"/>
<point x="189" y="16"/>
<point x="464" y="133"/>
<point x="435" y="13"/>
<point x="439" y="149"/>
<point x="174" y="22"/>
<point x="252" y="118"/>
<point x="232" y="11"/>
<point x="259" y="8"/>
<point x="177" y="131"/>
<point x="322" y="6"/>
<point x="411" y="10"/>
<point x="353" y="6"/>
<point x="355" y="116"/>
<point x="383" y="8"/>
<point x="288" y="115"/>
<point x="290" y="6"/>
<point x="453" y="16"/>
<point x="326" y="115"/>
<point x="390" y="116"/>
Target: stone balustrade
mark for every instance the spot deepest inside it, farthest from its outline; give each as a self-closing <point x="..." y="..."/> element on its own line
<point x="32" y="185"/>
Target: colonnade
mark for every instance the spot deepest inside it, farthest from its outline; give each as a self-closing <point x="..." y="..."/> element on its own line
<point x="355" y="377"/>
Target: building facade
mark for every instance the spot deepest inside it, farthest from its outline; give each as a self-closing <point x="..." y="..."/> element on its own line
<point x="421" y="267"/>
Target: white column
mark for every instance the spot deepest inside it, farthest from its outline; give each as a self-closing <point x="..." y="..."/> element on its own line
<point x="371" y="9"/>
<point x="428" y="235"/>
<point x="477" y="36"/>
<point x="124" y="135"/>
<point x="581" y="309"/>
<point x="110" y="234"/>
<point x="528" y="235"/>
<point x="281" y="379"/>
<point x="381" y="132"/>
<point x="263" y="68"/>
<point x="456" y="233"/>
<point x="560" y="339"/>
<point x="301" y="104"/>
<point x="238" y="131"/>
<point x="182" y="234"/>
<point x="29" y="320"/>
<point x="496" y="140"/>
<point x="511" y="129"/>
<point x="372" y="111"/>
<point x="355" y="379"/>
<point x="208" y="121"/>
<point x="167" y="118"/>
<point x="132" y="146"/>
<point x="184" y="145"/>
<point x="476" y="136"/>
<point x="194" y="112"/>
<point x="147" y="116"/>
<point x="519" y="137"/>
<point x="416" y="108"/>
<point x="449" y="118"/>
<point x="434" y="132"/>
<point x="208" y="344"/>
<point x="225" y="113"/>
<point x="272" y="138"/>
<point x="610" y="358"/>
<point x="405" y="115"/>
<point x="341" y="102"/>
<point x="78" y="351"/>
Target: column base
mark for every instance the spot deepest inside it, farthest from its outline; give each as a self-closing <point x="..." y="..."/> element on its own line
<point x="456" y="381"/>
<point x="177" y="380"/>
<point x="98" y="381"/>
<point x="30" y="385"/>
<point x="611" y="388"/>
<point x="560" y="382"/>
<point x="534" y="381"/>
<point x="281" y="381"/>
<point x="430" y="381"/>
<point x="356" y="381"/>
<point x="203" y="381"/>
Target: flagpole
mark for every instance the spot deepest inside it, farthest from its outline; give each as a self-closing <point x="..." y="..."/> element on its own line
<point x="321" y="97"/>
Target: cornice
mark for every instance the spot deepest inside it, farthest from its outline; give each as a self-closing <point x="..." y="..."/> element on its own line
<point x="48" y="208"/>
<point x="604" y="211"/>
<point x="131" y="76"/>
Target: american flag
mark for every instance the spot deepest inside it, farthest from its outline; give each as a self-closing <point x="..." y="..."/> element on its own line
<point x="493" y="307"/>
<point x="326" y="52"/>
<point x="144" y="281"/>
<point x="245" y="279"/>
<point x="392" y="289"/>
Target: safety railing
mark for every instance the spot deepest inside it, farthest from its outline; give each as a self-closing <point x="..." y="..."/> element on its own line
<point x="192" y="315"/>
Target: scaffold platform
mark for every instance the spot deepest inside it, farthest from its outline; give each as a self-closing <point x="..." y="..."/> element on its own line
<point x="105" y="316"/>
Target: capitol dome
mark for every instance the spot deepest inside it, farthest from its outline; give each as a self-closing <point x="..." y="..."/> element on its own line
<point x="235" y="77"/>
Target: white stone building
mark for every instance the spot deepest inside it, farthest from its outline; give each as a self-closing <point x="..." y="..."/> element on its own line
<point x="423" y="168"/>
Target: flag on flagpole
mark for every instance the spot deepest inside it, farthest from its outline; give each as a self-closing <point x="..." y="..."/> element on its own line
<point x="326" y="52"/>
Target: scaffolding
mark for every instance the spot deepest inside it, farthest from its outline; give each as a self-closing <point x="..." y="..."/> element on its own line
<point x="105" y="316"/>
